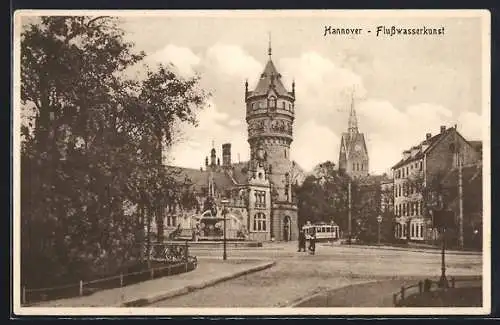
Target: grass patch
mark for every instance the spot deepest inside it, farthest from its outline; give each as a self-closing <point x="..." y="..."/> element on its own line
<point x="455" y="297"/>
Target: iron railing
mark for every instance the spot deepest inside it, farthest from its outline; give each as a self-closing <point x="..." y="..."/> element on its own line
<point x="427" y="285"/>
<point x="175" y="256"/>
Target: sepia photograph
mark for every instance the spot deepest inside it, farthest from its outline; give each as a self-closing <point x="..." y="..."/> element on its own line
<point x="251" y="162"/>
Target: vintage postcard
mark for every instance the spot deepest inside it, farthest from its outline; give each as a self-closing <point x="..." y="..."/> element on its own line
<point x="269" y="162"/>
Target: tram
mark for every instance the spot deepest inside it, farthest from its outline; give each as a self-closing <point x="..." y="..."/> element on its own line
<point x="323" y="231"/>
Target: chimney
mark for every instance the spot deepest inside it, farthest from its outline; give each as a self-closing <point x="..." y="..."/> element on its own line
<point x="443" y="129"/>
<point x="226" y="154"/>
<point x="406" y="154"/>
<point x="428" y="136"/>
<point x="425" y="145"/>
<point x="414" y="150"/>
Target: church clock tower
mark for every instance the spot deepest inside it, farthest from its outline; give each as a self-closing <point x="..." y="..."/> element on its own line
<point x="353" y="158"/>
<point x="270" y="114"/>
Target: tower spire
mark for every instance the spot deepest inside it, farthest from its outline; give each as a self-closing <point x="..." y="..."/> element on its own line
<point x="353" y="121"/>
<point x="269" y="49"/>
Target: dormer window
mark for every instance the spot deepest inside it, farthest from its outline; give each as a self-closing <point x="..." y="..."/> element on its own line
<point x="272" y="102"/>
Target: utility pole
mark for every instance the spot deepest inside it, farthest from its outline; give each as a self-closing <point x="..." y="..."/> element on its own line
<point x="460" y="193"/>
<point x="349" y="227"/>
<point x="224" y="212"/>
<point x="461" y="205"/>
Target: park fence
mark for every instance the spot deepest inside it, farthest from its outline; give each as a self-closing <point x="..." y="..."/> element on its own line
<point x="175" y="256"/>
<point x="427" y="285"/>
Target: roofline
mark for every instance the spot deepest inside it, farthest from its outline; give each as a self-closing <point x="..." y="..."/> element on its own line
<point x="430" y="148"/>
<point x="278" y="95"/>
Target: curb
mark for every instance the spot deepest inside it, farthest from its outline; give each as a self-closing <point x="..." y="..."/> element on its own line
<point x="141" y="302"/>
<point x="298" y="301"/>
<point x="418" y="250"/>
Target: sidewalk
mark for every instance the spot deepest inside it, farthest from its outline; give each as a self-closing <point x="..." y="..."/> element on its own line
<point x="207" y="273"/>
<point x="407" y="249"/>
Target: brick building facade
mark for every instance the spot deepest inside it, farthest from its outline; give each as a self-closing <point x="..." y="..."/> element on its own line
<point x="425" y="163"/>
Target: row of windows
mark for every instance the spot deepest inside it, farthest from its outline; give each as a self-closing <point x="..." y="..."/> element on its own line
<point x="358" y="166"/>
<point x="405" y="190"/>
<point x="416" y="231"/>
<point x="272" y="103"/>
<point x="171" y="221"/>
<point x="405" y="171"/>
<point x="410" y="209"/>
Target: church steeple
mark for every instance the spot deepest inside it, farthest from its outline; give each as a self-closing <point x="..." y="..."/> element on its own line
<point x="213" y="157"/>
<point x="353" y="120"/>
<point x="269" y="49"/>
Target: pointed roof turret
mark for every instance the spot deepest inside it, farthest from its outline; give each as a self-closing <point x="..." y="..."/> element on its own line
<point x="270" y="78"/>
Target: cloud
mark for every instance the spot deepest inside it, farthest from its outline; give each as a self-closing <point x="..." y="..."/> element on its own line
<point x="232" y="61"/>
<point x="324" y="89"/>
<point x="470" y="125"/>
<point x="322" y="84"/>
<point x="182" y="58"/>
<point x="389" y="130"/>
<point x="196" y="141"/>
<point x="313" y="144"/>
<point x="234" y="123"/>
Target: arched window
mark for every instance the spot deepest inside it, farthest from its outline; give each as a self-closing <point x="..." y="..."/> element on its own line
<point x="259" y="222"/>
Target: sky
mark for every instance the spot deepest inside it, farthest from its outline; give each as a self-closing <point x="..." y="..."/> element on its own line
<point x="404" y="86"/>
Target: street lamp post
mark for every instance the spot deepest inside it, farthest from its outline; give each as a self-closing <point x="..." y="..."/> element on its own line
<point x="379" y="221"/>
<point x="224" y="254"/>
<point x="443" y="282"/>
<point x="349" y="213"/>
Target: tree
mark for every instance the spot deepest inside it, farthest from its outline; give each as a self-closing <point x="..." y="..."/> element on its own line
<point x="323" y="196"/>
<point x="91" y="173"/>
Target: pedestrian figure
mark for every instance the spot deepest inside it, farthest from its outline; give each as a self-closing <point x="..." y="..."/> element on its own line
<point x="312" y="243"/>
<point x="302" y="241"/>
